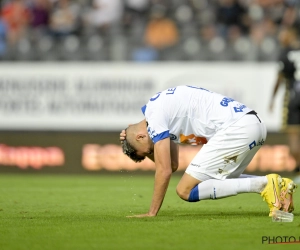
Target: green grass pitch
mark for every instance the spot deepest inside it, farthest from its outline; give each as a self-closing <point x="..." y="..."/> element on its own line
<point x="89" y="212"/>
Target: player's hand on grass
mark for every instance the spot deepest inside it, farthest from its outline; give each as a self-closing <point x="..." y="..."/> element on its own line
<point x="122" y="136"/>
<point x="141" y="215"/>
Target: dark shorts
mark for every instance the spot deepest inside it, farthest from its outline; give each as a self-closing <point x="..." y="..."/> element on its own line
<point x="294" y="107"/>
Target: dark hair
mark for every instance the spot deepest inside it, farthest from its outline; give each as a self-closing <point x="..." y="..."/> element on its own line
<point x="130" y="151"/>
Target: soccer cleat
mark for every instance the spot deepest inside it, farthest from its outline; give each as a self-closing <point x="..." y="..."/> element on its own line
<point x="272" y="191"/>
<point x="286" y="195"/>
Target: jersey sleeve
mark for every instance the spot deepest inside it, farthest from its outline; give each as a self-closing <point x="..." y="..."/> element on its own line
<point x="157" y="122"/>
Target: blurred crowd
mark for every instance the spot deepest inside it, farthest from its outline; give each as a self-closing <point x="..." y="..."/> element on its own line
<point x="144" y="30"/>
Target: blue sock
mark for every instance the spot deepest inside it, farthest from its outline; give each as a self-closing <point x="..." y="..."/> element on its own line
<point x="194" y="194"/>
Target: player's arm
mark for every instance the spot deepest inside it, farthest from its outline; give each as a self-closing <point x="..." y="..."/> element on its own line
<point x="174" y="150"/>
<point x="162" y="176"/>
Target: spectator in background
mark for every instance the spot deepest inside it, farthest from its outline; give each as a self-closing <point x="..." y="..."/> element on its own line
<point x="290" y="14"/>
<point x="233" y="37"/>
<point x="64" y="18"/>
<point x="270" y="27"/>
<point x="16" y="15"/>
<point x="3" y="34"/>
<point x="289" y="60"/>
<point x="228" y="18"/>
<point x="137" y="6"/>
<point x="161" y="32"/>
<point x="208" y="32"/>
<point x="40" y="14"/>
<point x="104" y="13"/>
<point x="135" y="10"/>
<point x="135" y="18"/>
<point x="144" y="54"/>
<point x="257" y="36"/>
<point x="282" y="12"/>
<point x="229" y="13"/>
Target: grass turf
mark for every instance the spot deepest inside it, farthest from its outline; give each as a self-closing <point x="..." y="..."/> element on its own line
<point x="89" y="212"/>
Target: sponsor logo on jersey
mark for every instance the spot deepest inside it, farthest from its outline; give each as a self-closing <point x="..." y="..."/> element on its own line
<point x="254" y="143"/>
<point x="173" y="137"/>
<point x="151" y="132"/>
<point x="225" y="101"/>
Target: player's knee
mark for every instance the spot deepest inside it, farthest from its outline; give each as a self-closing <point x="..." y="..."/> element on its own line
<point x="183" y="194"/>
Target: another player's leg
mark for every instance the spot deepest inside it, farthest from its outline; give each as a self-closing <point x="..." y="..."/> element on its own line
<point x="294" y="143"/>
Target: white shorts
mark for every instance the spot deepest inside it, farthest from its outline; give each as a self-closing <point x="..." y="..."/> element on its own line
<point x="229" y="151"/>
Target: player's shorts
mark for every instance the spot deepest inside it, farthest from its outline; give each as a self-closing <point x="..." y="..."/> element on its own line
<point x="229" y="151"/>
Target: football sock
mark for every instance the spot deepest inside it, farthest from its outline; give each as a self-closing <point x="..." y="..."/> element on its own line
<point x="248" y="176"/>
<point x="257" y="183"/>
<point x="216" y="189"/>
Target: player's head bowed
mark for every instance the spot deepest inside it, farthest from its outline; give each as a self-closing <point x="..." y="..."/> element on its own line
<point x="131" y="152"/>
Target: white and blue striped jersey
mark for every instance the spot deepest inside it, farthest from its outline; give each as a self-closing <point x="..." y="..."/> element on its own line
<point x="190" y="115"/>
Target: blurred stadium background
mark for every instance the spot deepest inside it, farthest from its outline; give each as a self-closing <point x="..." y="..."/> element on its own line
<point x="74" y="73"/>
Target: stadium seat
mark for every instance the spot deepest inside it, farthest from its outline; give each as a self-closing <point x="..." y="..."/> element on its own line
<point x="95" y="48"/>
<point x="46" y="49"/>
<point x="217" y="48"/>
<point x="183" y="14"/>
<point x="118" y="48"/>
<point x="242" y="47"/>
<point x="24" y="50"/>
<point x="70" y="49"/>
<point x="269" y="49"/>
<point x="192" y="48"/>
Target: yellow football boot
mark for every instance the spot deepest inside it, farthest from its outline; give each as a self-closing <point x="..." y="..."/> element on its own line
<point x="272" y="191"/>
<point x="286" y="195"/>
